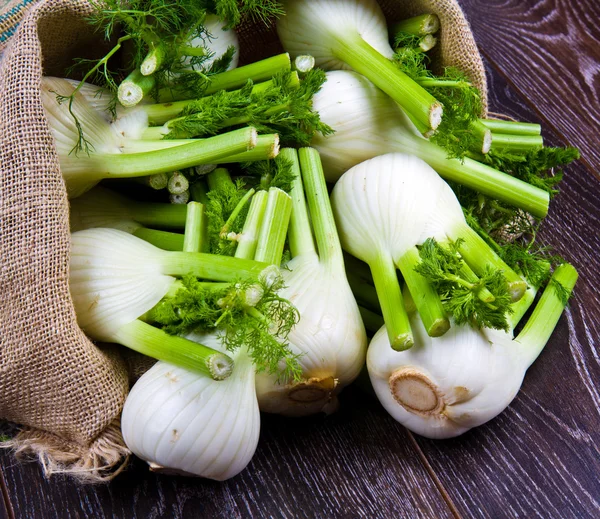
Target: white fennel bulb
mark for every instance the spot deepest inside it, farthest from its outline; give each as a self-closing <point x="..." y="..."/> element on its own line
<point x="353" y="34"/>
<point x="330" y="338"/>
<point x="387" y="206"/>
<point x="115" y="278"/>
<point x="185" y="423"/>
<point x="444" y="386"/>
<point x="217" y="41"/>
<point x="369" y="123"/>
<point x="96" y="150"/>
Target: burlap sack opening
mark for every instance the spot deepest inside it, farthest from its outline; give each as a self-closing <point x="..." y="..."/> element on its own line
<point x="65" y="391"/>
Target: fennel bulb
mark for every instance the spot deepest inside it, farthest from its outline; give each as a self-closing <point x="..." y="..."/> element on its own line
<point x="387" y="206"/>
<point x="184" y="423"/>
<point x="115" y="278"/>
<point x="442" y="387"/>
<point x="353" y="33"/>
<point x="107" y="153"/>
<point x="216" y="42"/>
<point x="330" y="338"/>
<point x="368" y="123"/>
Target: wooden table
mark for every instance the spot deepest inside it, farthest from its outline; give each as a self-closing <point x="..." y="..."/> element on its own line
<point x="540" y="458"/>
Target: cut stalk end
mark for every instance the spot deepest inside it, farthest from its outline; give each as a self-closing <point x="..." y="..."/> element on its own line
<point x="220" y="366"/>
<point x="438" y="328"/>
<point x="436" y="113"/>
<point x="403" y="342"/>
<point x="487" y="141"/>
<point x="416" y="392"/>
<point x="516" y="289"/>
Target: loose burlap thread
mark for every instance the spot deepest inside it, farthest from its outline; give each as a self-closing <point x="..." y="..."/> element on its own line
<point x="66" y="392"/>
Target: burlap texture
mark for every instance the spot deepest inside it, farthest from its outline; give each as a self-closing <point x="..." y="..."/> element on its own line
<point x="65" y="391"/>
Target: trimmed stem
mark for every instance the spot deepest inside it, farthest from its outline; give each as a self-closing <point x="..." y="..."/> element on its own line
<point x="205" y="151"/>
<point x="392" y="304"/>
<point x="427" y="42"/>
<point x="478" y="255"/>
<point x="153" y="61"/>
<point x="237" y="77"/>
<point x="319" y="206"/>
<point x="484" y="137"/>
<point x="249" y="238"/>
<point x="158" y="181"/>
<point x="516" y="143"/>
<point x="304" y="63"/>
<point x="418" y="25"/>
<point x="274" y="228"/>
<point x="179" y="198"/>
<point x="219" y="178"/>
<point x="372" y="321"/>
<point x="178" y="183"/>
<point x="160" y="113"/>
<point x="195" y="225"/>
<point x="299" y="232"/>
<point x="484" y="179"/>
<point x="413" y="98"/>
<point x="133" y="88"/>
<point x="198" y="192"/>
<point x="512" y="127"/>
<point x="409" y="302"/>
<point x="155" y="343"/>
<point x="156" y="214"/>
<point x="364" y="292"/>
<point x="544" y="318"/>
<point x="520" y="307"/>
<point x="267" y="147"/>
<point x="165" y="240"/>
<point x="210" y="266"/>
<point x="428" y="302"/>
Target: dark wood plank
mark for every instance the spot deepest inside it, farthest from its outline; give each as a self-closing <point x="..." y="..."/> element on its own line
<point x="541" y="457"/>
<point x="356" y="463"/>
<point x="550" y="51"/>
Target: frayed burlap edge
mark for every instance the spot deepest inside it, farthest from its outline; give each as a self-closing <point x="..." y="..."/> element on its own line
<point x="106" y="457"/>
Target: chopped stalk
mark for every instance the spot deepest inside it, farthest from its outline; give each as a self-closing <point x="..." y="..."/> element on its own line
<point x="153" y="61"/>
<point x="427" y="43"/>
<point x="299" y="233"/>
<point x="237" y="77"/>
<point x="249" y="238"/>
<point x="326" y="235"/>
<point x="304" y="63"/>
<point x="371" y="320"/>
<point x="418" y="25"/>
<point x="134" y="88"/>
<point x="155" y="343"/>
<point x="479" y="256"/>
<point x="413" y="98"/>
<point x="211" y="266"/>
<point x="547" y="312"/>
<point x="267" y="147"/>
<point x="195" y="227"/>
<point x="158" y="181"/>
<point x="516" y="143"/>
<point x="178" y="183"/>
<point x="162" y="239"/>
<point x="427" y="301"/>
<point x="273" y="231"/>
<point x="392" y="304"/>
<point x="512" y="127"/>
<point x="180" y="198"/>
<point x="209" y="150"/>
<point x="160" y="113"/>
<point x="364" y="292"/>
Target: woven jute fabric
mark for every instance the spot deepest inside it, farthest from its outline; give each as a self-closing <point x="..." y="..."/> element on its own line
<point x="67" y="392"/>
<point x="52" y="378"/>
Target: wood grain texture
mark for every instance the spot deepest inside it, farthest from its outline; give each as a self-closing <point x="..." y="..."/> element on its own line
<point x="356" y="463"/>
<point x="541" y="457"/>
<point x="550" y="51"/>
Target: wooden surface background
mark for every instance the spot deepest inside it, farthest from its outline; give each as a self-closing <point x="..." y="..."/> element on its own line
<point x="540" y="458"/>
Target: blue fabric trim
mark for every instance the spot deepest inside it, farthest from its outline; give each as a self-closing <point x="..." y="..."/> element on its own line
<point x="12" y="12"/>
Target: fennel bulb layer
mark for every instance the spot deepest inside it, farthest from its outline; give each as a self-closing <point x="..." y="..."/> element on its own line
<point x="330" y="339"/>
<point x="184" y="423"/>
<point x="317" y="27"/>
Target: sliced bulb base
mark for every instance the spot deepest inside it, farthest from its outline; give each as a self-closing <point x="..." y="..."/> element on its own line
<point x="416" y="392"/>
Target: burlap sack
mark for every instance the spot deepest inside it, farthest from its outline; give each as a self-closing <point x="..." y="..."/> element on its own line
<point x="65" y="391"/>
